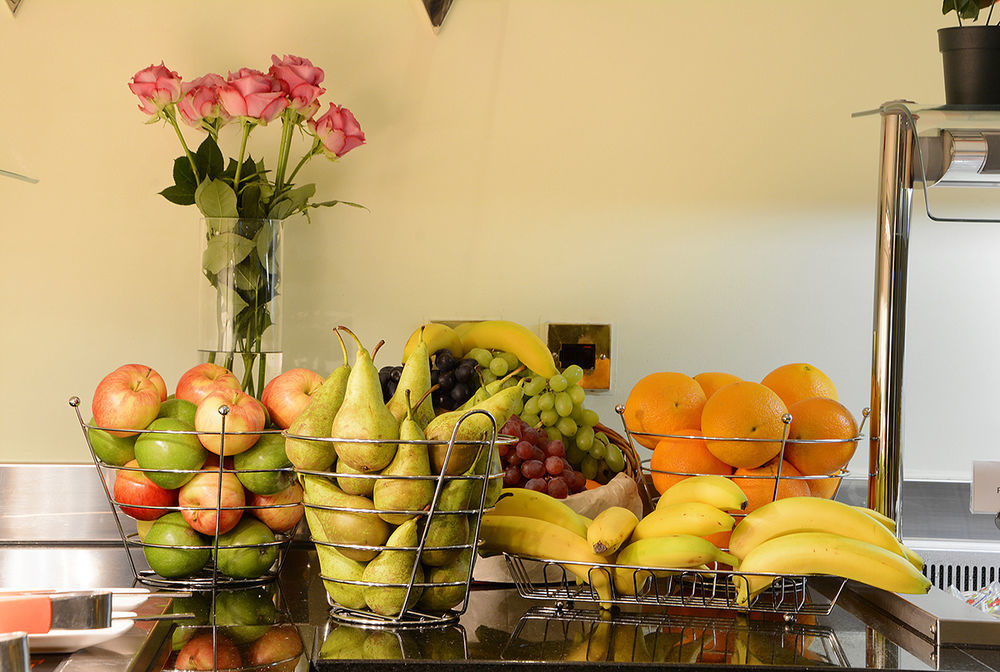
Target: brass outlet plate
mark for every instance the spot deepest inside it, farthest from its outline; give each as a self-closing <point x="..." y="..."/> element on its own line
<point x="588" y="345"/>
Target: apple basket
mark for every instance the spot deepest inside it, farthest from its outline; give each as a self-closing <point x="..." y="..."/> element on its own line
<point x="397" y="548"/>
<point x="202" y="527"/>
<point x="761" y="487"/>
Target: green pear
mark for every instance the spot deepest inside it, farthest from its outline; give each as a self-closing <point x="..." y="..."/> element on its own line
<point x="474" y="428"/>
<point x="335" y="567"/>
<point x="494" y="479"/>
<point x="359" y="528"/>
<point x="394" y="567"/>
<point x="351" y="485"/>
<point x="448" y="526"/>
<point x="383" y="645"/>
<point x="345" y="642"/>
<point x="410" y="495"/>
<point x="414" y="380"/>
<point x="444" y="597"/>
<point x="316" y="421"/>
<point x="363" y="415"/>
<point x="489" y="389"/>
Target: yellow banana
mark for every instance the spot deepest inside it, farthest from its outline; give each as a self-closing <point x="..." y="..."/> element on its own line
<point x="679" y="551"/>
<point x="594" y="646"/>
<point x="803" y="553"/>
<point x="544" y="540"/>
<point x="437" y="336"/>
<point x="695" y="518"/>
<point x="532" y="504"/>
<point x="514" y="338"/>
<point x="719" y="491"/>
<point x="880" y="517"/>
<point x="610" y="528"/>
<point x="812" y="514"/>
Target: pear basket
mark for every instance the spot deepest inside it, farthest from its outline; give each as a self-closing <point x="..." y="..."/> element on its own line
<point x="402" y="566"/>
<point x="825" y="485"/>
<point x="229" y="563"/>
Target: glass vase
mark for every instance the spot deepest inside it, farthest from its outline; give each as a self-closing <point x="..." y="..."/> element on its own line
<point x="239" y="300"/>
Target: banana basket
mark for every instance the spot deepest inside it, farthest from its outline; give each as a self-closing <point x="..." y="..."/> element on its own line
<point x="249" y="552"/>
<point x="777" y="484"/>
<point x="402" y="566"/>
<point x="569" y="634"/>
<point x="633" y="465"/>
<point x="665" y="587"/>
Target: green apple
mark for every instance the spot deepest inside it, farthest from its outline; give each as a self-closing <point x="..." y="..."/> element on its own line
<point x="247" y="614"/>
<point x="267" y="454"/>
<point x="116" y="450"/>
<point x="157" y="449"/>
<point x="178" y="408"/>
<point x="242" y="553"/>
<point x="173" y="549"/>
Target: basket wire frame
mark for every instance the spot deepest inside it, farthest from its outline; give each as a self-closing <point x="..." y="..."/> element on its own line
<point x="786" y="420"/>
<point x="412" y="616"/>
<point x="631" y="637"/>
<point x="209" y="578"/>
<point x="675" y="587"/>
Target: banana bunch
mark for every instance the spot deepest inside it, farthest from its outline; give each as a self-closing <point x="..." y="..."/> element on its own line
<point x="611" y="551"/>
<point x="810" y="535"/>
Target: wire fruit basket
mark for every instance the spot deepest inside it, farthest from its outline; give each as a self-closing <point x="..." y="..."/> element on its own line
<point x="248" y="552"/>
<point x="434" y="545"/>
<point x="826" y="484"/>
<point x="627" y="637"/>
<point x="690" y="588"/>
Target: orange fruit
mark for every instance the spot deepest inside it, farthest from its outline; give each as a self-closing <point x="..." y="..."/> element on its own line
<point x="758" y="484"/>
<point x="711" y="381"/>
<point x="720" y="539"/>
<point x="662" y="403"/>
<point x="826" y="488"/>
<point x="688" y="456"/>
<point x="820" y="418"/>
<point x="744" y="410"/>
<point x="795" y="382"/>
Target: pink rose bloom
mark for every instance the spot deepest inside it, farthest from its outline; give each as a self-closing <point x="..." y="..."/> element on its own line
<point x="157" y="86"/>
<point x="200" y="100"/>
<point x="299" y="79"/>
<point x="338" y="130"/>
<point x="251" y="93"/>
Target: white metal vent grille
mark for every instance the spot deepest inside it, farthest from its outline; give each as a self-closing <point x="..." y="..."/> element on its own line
<point x="963" y="577"/>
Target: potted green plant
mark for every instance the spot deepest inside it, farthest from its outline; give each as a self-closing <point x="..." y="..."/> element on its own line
<point x="970" y="54"/>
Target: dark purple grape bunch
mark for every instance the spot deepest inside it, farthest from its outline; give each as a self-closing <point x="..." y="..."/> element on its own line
<point x="457" y="380"/>
<point x="536" y="462"/>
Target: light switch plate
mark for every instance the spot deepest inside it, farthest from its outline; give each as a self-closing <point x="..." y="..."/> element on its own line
<point x="588" y="345"/>
<point x="985" y="487"/>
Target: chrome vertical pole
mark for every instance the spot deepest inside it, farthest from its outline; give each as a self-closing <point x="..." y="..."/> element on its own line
<point x="895" y="194"/>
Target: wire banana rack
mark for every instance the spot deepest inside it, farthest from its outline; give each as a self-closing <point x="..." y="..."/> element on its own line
<point x="790" y="595"/>
<point x="568" y="634"/>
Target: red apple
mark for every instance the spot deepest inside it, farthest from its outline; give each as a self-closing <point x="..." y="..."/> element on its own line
<point x="128" y="398"/>
<point x="281" y="644"/>
<point x="288" y="394"/>
<point x="208" y="651"/>
<point x="197" y="382"/>
<point x="246" y="416"/>
<point x="279" y="518"/>
<point x="205" y="500"/>
<point x="133" y="491"/>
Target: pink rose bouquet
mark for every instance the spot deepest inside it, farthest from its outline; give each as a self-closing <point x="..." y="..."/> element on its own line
<point x="242" y="188"/>
<point x="289" y="91"/>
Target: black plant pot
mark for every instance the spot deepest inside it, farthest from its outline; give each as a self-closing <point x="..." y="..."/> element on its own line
<point x="971" y="56"/>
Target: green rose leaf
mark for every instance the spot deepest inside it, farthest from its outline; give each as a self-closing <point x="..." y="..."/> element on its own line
<point x="179" y="195"/>
<point x="183" y="175"/>
<point x="330" y="204"/>
<point x="215" y="198"/>
<point x="250" y="202"/>
<point x="263" y="240"/>
<point x="248" y="277"/>
<point x="209" y="159"/>
<point x="222" y="249"/>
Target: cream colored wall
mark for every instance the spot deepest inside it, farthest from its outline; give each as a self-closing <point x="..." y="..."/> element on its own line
<point x="692" y="177"/>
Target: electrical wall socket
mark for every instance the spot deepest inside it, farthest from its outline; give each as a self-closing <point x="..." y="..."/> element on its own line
<point x="985" y="487"/>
